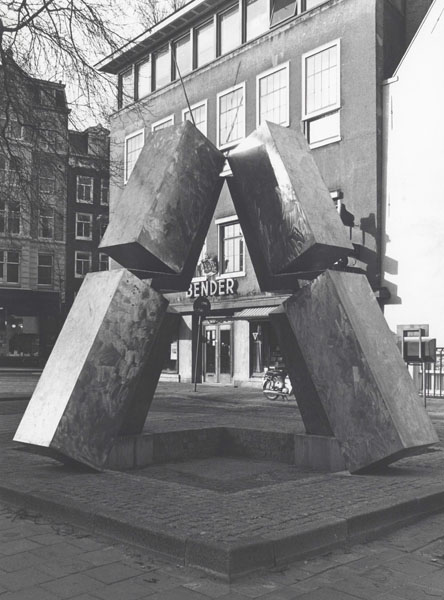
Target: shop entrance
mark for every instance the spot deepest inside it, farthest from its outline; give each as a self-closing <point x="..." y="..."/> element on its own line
<point x="217" y="353"/>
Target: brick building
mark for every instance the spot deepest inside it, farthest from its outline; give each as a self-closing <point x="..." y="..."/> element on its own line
<point x="87" y="205"/>
<point x="33" y="173"/>
<point x="314" y="65"/>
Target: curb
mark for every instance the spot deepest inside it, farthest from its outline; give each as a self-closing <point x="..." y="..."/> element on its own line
<point x="232" y="561"/>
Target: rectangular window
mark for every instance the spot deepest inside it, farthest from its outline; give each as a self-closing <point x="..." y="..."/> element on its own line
<point x="257" y="18"/>
<point x="126" y="87"/>
<point x="133" y="147"/>
<point x="282" y="9"/>
<point x="199" y="115"/>
<point x="104" y="192"/>
<point x="321" y="94"/>
<point x="46" y="223"/>
<point x="273" y="96"/>
<point x="82" y="263"/>
<point x="45" y="269"/>
<point x="163" y="123"/>
<point x="309" y="4"/>
<point x="182" y="56"/>
<point x="84" y="226"/>
<point x="205" y="44"/>
<point x="143" y="78"/>
<point x="14" y="129"/>
<point x="9" y="266"/>
<point x="9" y="168"/>
<point x="84" y="189"/>
<point x="229" y="30"/>
<point x="46" y="180"/>
<point x="162" y="68"/>
<point x="103" y="262"/>
<point x="231" y="116"/>
<point x="10" y="216"/>
<point x="231" y="249"/>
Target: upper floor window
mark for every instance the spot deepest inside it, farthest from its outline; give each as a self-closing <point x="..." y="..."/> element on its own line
<point x="199" y="112"/>
<point x="10" y="216"/>
<point x="133" y="146"/>
<point x="283" y="9"/>
<point x="309" y="4"/>
<point x="143" y="78"/>
<point x="321" y="94"/>
<point x="127" y="87"/>
<point x="163" y="123"/>
<point x="9" y="169"/>
<point x="229" y="29"/>
<point x="14" y="129"/>
<point x="104" y="192"/>
<point x="205" y="44"/>
<point x="103" y="262"/>
<point x="162" y="67"/>
<point x="46" y="223"/>
<point x="46" y="180"/>
<point x="231" y="116"/>
<point x="273" y="96"/>
<point x="103" y="224"/>
<point x="82" y="263"/>
<point x="257" y="18"/>
<point x="85" y="187"/>
<point x="182" y="56"/>
<point x="45" y="269"/>
<point x="84" y="226"/>
<point x="9" y="266"/>
<point x="231" y="248"/>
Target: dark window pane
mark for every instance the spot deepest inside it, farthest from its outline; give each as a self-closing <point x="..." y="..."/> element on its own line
<point x="282" y="9"/>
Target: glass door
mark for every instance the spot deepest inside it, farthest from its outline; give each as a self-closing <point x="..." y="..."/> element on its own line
<point x="217" y="354"/>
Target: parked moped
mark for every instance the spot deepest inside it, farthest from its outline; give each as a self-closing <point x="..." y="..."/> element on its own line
<point x="276" y="383"/>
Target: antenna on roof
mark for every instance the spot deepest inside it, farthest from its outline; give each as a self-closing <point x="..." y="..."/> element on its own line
<point x="183" y="87"/>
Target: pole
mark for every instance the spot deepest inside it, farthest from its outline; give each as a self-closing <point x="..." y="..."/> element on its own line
<point x="199" y="327"/>
<point x="424" y="384"/>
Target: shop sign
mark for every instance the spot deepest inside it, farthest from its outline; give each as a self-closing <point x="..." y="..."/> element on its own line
<point x="211" y="287"/>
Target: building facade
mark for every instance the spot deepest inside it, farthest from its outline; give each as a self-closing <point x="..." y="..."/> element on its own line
<point x="33" y="175"/>
<point x="317" y="66"/>
<point x="87" y="206"/>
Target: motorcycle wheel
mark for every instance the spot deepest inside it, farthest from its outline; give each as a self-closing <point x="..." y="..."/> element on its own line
<point x="271" y="395"/>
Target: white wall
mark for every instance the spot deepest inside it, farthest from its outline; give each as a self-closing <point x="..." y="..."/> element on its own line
<point x="414" y="181"/>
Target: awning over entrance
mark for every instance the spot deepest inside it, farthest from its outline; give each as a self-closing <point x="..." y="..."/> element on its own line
<point x="260" y="312"/>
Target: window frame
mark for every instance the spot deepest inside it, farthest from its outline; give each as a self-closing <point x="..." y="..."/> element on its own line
<point x="219" y="15"/>
<point x="154" y="55"/>
<point x="102" y="187"/>
<point x="52" y="220"/>
<point x="333" y="108"/>
<point x="284" y="66"/>
<point x="156" y="124"/>
<point x="10" y="216"/>
<point x="121" y="103"/>
<point x="174" y="55"/>
<point x="125" y="156"/>
<point x="102" y="254"/>
<point x="137" y="79"/>
<point x="195" y="106"/>
<point x="39" y="266"/>
<point x="78" y="176"/>
<point x="76" y="253"/>
<point x="209" y="21"/>
<point x="87" y="222"/>
<point x="230" y="90"/>
<point x="221" y="224"/>
<point x="5" y="264"/>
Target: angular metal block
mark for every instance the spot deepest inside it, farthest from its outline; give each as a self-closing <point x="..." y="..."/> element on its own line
<point x="334" y="333"/>
<point x="161" y="220"/>
<point x="288" y="219"/>
<point x="89" y="383"/>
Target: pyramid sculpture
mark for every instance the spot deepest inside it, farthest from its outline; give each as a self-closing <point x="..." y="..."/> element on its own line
<point x="349" y="378"/>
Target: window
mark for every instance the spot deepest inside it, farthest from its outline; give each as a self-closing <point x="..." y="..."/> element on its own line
<point x="231" y="116"/>
<point x="126" y="87"/>
<point x="309" y="4"/>
<point x="82" y="263"/>
<point x="9" y="216"/>
<point x="103" y="224"/>
<point x="231" y="248"/>
<point x="103" y="262"/>
<point x="321" y="94"/>
<point x="182" y="55"/>
<point x="133" y="146"/>
<point x="257" y="18"/>
<point x="46" y="180"/>
<point x="9" y="167"/>
<point x="273" y="97"/>
<point x="199" y="115"/>
<point x="163" y="123"/>
<point x="14" y="129"/>
<point x="143" y="78"/>
<point x="205" y="46"/>
<point x="282" y="9"/>
<point x="84" y="226"/>
<point x="48" y="140"/>
<point x="84" y="189"/>
<point x="46" y="223"/>
<point x="229" y="30"/>
<point x="9" y="266"/>
<point x="104" y="192"/>
<point x="45" y="269"/>
<point x="162" y="68"/>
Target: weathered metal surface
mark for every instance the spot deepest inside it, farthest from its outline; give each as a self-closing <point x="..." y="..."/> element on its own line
<point x="288" y="219"/>
<point x="88" y="385"/>
<point x="354" y="368"/>
<point x="161" y="220"/>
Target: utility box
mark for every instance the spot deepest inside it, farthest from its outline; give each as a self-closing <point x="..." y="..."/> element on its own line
<point x="415" y="344"/>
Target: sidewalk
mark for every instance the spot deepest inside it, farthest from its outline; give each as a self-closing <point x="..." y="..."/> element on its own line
<point x="198" y="512"/>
